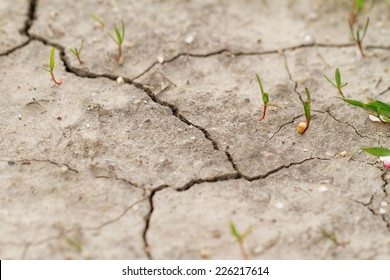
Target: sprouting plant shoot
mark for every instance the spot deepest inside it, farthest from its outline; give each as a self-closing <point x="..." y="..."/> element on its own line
<point x="382" y="153"/>
<point x="119" y="39"/>
<point x="77" y="52"/>
<point x="358" y="38"/>
<point x="302" y="127"/>
<point x="240" y="239"/>
<point x="51" y="69"/>
<point x="338" y="84"/>
<point x="332" y="237"/>
<point x="99" y="21"/>
<point x="265" y="98"/>
<point x="378" y="110"/>
<point x="357" y="7"/>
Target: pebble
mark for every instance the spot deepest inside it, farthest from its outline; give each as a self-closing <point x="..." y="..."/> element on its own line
<point x="204" y="253"/>
<point x="88" y="125"/>
<point x="305" y="150"/>
<point x="160" y="59"/>
<point x="343" y="153"/>
<point x="382" y="211"/>
<point x="322" y="189"/>
<point x="279" y="205"/>
<point x="384" y="204"/>
<point x="308" y="39"/>
<point x="120" y="80"/>
<point x="189" y="38"/>
<point x="19" y="116"/>
<point x="64" y="169"/>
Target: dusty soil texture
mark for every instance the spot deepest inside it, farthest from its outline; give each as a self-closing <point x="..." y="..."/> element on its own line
<point x="153" y="157"/>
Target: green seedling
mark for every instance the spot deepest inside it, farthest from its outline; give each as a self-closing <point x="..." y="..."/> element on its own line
<point x="265" y="98"/>
<point x="359" y="38"/>
<point x="338" y="84"/>
<point x="302" y="127"/>
<point x="382" y="153"/>
<point x="74" y="244"/>
<point x="51" y="69"/>
<point x="119" y="39"/>
<point x="77" y="52"/>
<point x="356" y="8"/>
<point x="240" y="239"/>
<point x="99" y="21"/>
<point x="375" y="108"/>
<point x="332" y="237"/>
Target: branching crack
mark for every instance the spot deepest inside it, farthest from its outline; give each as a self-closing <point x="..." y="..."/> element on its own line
<point x="128" y="182"/>
<point x="283" y="125"/>
<point x="350" y="125"/>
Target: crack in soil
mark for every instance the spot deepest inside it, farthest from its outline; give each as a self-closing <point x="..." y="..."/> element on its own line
<point x="283" y="125"/>
<point x="28" y="161"/>
<point x="148" y="216"/>
<point x="128" y="182"/>
<point x="350" y="125"/>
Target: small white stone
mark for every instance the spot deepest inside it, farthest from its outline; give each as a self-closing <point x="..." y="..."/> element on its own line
<point x="308" y="39"/>
<point x="279" y="205"/>
<point x="64" y="169"/>
<point x="322" y="189"/>
<point x="343" y="153"/>
<point x="373" y="118"/>
<point x="189" y="38"/>
<point x="382" y="211"/>
<point x="384" y="204"/>
<point x="88" y="125"/>
<point x="305" y="150"/>
<point x="120" y="80"/>
<point x="135" y="207"/>
<point x="193" y="137"/>
<point x="19" y="116"/>
<point x="312" y="16"/>
<point x="160" y="59"/>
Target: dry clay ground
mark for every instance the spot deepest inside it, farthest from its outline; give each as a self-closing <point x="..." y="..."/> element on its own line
<point x="157" y="166"/>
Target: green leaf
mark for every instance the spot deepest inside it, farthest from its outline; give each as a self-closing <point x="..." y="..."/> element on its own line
<point x="52" y="62"/>
<point x="359" y="4"/>
<point x="329" y="81"/>
<point x="118" y="35"/>
<point x="306" y="105"/>
<point x="265" y="98"/>
<point x="354" y="102"/>
<point x="246" y="232"/>
<point x="260" y="84"/>
<point x="98" y="20"/>
<point x="234" y="231"/>
<point x="338" y="78"/>
<point x="74" y="51"/>
<point x="365" y="28"/>
<point x="377" y="151"/>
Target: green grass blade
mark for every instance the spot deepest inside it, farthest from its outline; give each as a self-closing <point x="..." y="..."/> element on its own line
<point x="234" y="231"/>
<point x="337" y="77"/>
<point x="123" y="31"/>
<point x="74" y="51"/>
<point x="52" y="62"/>
<point x="377" y="151"/>
<point x="365" y="29"/>
<point x="112" y="37"/>
<point x="359" y="4"/>
<point x="118" y="35"/>
<point x="260" y="84"/>
<point x="329" y="81"/>
<point x="98" y="20"/>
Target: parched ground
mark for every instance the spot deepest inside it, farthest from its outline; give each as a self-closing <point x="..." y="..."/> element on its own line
<point x="158" y="166"/>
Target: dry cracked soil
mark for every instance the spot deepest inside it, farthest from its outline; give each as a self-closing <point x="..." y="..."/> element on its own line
<point x="158" y="165"/>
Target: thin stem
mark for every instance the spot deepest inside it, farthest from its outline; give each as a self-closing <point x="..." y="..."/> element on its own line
<point x="54" y="79"/>
<point x="340" y="91"/>
<point x="264" y="111"/>
<point x="307" y="125"/>
<point x="119" y="52"/>
<point x="80" y="61"/>
<point x="242" y="249"/>
<point x="359" y="43"/>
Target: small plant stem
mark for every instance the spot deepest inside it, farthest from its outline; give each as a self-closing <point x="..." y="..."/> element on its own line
<point x="264" y="111"/>
<point x="119" y="52"/>
<point x="307" y="124"/>
<point x="80" y="61"/>
<point x="359" y="43"/>
<point x="242" y="249"/>
<point x="340" y="91"/>
<point x="54" y="79"/>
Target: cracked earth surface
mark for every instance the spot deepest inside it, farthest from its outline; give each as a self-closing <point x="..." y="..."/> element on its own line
<point x="158" y="166"/>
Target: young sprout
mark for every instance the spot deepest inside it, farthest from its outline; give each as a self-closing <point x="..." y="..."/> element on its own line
<point x="332" y="237"/>
<point x="77" y="52"/>
<point x="302" y="127"/>
<point x="99" y="21"/>
<point x="265" y="98"/>
<point x="378" y="110"/>
<point x="356" y="8"/>
<point x="338" y="84"/>
<point x="382" y="153"/>
<point x="240" y="239"/>
<point x="119" y="39"/>
<point x="51" y="69"/>
<point x="359" y="38"/>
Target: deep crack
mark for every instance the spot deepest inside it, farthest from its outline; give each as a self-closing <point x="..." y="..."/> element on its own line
<point x="147" y="248"/>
